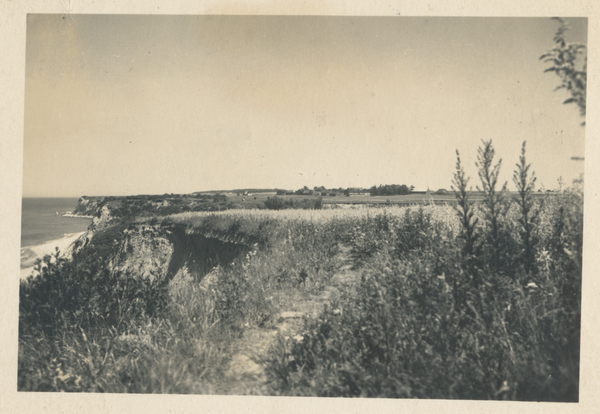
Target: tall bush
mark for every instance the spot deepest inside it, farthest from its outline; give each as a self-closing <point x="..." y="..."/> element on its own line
<point x="494" y="202"/>
<point x="524" y="180"/>
<point x="465" y="210"/>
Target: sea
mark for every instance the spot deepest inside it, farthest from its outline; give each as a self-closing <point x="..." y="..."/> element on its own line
<point x="42" y="220"/>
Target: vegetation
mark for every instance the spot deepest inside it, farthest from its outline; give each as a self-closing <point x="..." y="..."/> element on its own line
<point x="85" y="326"/>
<point x="432" y="318"/>
<point x="154" y="205"/>
<point x="494" y="204"/>
<point x="393" y="189"/>
<point x="465" y="211"/>
<point x="431" y="312"/>
<point x="569" y="62"/>
<point x="276" y="203"/>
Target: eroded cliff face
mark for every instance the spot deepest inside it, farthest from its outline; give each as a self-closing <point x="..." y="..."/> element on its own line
<point x="100" y="222"/>
<point x="88" y="206"/>
<point x="152" y="251"/>
<point x="173" y="251"/>
<point x="145" y="252"/>
<point x="162" y="253"/>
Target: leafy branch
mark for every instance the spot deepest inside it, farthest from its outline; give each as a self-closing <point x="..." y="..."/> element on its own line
<point x="569" y="62"/>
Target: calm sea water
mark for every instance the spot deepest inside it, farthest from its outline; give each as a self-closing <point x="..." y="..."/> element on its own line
<point x="40" y="223"/>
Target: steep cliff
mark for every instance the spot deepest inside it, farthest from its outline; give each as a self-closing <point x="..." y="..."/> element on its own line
<point x="172" y="251"/>
<point x="152" y="205"/>
<point x="88" y="206"/>
<point x="155" y="251"/>
<point x="130" y="237"/>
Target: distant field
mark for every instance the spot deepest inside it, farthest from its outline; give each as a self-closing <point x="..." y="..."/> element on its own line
<point x="173" y="204"/>
<point x="407" y="199"/>
<point x="254" y="199"/>
<point x="395" y="199"/>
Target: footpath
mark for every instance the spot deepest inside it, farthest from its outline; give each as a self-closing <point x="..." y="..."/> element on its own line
<point x="245" y="375"/>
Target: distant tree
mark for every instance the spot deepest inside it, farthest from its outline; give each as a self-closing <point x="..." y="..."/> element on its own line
<point x="318" y="203"/>
<point x="390" y="189"/>
<point x="303" y="190"/>
<point x="274" y="203"/>
<point x="219" y="198"/>
<point x="569" y="62"/>
<point x="403" y="190"/>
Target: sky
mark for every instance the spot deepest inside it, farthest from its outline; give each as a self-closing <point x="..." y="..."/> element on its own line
<point x="147" y="104"/>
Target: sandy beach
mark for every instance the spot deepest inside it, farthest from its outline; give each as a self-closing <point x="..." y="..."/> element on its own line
<point x="76" y="215"/>
<point x="30" y="254"/>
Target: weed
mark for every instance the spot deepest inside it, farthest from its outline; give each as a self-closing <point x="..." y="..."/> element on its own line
<point x="448" y="305"/>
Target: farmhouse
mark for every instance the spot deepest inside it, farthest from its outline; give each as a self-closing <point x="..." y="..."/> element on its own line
<point x="421" y="191"/>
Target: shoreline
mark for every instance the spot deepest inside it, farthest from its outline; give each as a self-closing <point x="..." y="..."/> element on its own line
<point x="30" y="254"/>
<point x="77" y="216"/>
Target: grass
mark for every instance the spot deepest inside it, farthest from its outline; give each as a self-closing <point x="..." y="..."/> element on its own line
<point x="432" y="314"/>
<point x="86" y="327"/>
<point x="435" y="316"/>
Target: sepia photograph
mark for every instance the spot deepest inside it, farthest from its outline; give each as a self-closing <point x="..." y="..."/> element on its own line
<point x="373" y="207"/>
<point x="303" y="206"/>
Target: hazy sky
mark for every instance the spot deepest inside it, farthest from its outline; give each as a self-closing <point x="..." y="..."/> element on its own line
<point x="146" y="104"/>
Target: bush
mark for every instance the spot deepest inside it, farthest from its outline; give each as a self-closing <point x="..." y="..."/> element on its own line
<point x="437" y="315"/>
<point x="427" y="317"/>
<point x="277" y="203"/>
<point x="274" y="203"/>
<point x="87" y="295"/>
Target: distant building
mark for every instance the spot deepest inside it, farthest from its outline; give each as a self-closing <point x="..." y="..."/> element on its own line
<point x="358" y="191"/>
<point x="420" y="191"/>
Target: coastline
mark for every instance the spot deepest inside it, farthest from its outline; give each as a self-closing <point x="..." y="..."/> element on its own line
<point x="76" y="215"/>
<point x="30" y="254"/>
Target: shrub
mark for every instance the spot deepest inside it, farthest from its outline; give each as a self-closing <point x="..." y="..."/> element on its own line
<point x="524" y="181"/>
<point x="465" y="211"/>
<point x="87" y="295"/>
<point x="433" y="318"/>
<point x="274" y="203"/>
<point x="494" y="204"/>
<point x="426" y="318"/>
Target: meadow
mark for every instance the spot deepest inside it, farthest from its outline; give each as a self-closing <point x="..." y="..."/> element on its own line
<point x="475" y="300"/>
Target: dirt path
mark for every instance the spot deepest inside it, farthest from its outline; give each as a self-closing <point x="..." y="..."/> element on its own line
<point x="244" y="374"/>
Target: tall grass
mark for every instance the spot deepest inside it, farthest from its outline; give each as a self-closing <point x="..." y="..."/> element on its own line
<point x="433" y="318"/>
<point x="494" y="204"/>
<point x="525" y="182"/>
<point x="85" y="326"/>
<point x="434" y="313"/>
<point x="466" y="213"/>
